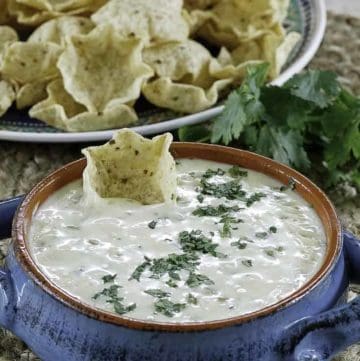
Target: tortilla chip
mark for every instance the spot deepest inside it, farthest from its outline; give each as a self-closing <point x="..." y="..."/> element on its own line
<point x="103" y="67"/>
<point x="7" y="96"/>
<point x="235" y="21"/>
<point x="196" y="19"/>
<point x="270" y="48"/>
<point x="32" y="16"/>
<point x="28" y="15"/>
<point x="185" y="62"/>
<point x="55" y="5"/>
<point x="183" y="97"/>
<point x="61" y="111"/>
<point x="284" y="50"/>
<point x="30" y="94"/>
<point x="7" y="36"/>
<point x="56" y="30"/>
<point x="152" y="21"/>
<point x="31" y="62"/>
<point x="237" y="72"/>
<point x="130" y="166"/>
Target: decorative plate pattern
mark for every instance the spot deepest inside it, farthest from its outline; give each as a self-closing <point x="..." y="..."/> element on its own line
<point x="308" y="17"/>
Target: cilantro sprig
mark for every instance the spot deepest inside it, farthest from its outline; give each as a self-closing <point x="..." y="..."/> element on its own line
<point x="311" y="123"/>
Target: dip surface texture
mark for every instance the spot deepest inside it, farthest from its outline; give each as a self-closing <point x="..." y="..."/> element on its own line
<point x="236" y="241"/>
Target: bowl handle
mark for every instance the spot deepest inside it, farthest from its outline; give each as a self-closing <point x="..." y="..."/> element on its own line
<point x="320" y="337"/>
<point x="7" y="211"/>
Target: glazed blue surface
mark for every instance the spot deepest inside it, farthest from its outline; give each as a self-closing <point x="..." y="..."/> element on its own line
<point x="313" y="328"/>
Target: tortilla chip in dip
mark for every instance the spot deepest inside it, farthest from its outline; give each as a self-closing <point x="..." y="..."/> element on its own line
<point x="133" y="167"/>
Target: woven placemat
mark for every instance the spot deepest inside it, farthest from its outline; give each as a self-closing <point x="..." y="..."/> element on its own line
<point x="22" y="165"/>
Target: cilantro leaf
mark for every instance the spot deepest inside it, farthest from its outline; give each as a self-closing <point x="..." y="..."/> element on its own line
<point x="310" y="115"/>
<point x="319" y="87"/>
<point x="196" y="133"/>
<point x="168" y="308"/>
<point x="284" y="146"/>
<point x="242" y="107"/>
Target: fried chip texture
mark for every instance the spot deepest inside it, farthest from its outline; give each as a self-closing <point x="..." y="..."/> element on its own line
<point x="185" y="62"/>
<point x="103" y="67"/>
<point x="56" y="5"/>
<point x="270" y="48"/>
<point x="60" y="110"/>
<point x="7" y="96"/>
<point x="133" y="167"/>
<point x="152" y="21"/>
<point x="30" y="94"/>
<point x="56" y="30"/>
<point x="30" y="62"/>
<point x="236" y="21"/>
<point x="36" y="12"/>
<point x="7" y="36"/>
<point x="185" y="98"/>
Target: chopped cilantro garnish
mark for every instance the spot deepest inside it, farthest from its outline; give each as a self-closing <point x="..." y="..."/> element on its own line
<point x="212" y="211"/>
<point x="111" y="292"/>
<point x="112" y="295"/>
<point x="175" y="276"/>
<point x="273" y="229"/>
<point x="229" y="190"/>
<point x="271" y="252"/>
<point x="228" y="221"/>
<point x="120" y="309"/>
<point x="191" y="299"/>
<point x="139" y="270"/>
<point x="239" y="244"/>
<point x="196" y="279"/>
<point x="168" y="308"/>
<point x="171" y="283"/>
<point x="210" y="173"/>
<point x="109" y="278"/>
<point x="261" y="235"/>
<point x="236" y="172"/>
<point x="254" y="198"/>
<point x="173" y="262"/>
<point x="195" y="241"/>
<point x="152" y="224"/>
<point x="291" y="185"/>
<point x="200" y="198"/>
<point x="155" y="292"/>
<point x="247" y="263"/>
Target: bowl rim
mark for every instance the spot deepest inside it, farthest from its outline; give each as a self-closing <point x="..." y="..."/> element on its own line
<point x="279" y="171"/>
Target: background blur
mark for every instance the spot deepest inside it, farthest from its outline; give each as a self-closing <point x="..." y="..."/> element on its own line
<point x="351" y="7"/>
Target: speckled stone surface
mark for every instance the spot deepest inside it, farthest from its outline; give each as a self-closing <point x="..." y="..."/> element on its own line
<point x="22" y="165"/>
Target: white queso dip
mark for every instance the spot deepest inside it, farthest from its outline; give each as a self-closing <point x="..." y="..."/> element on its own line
<point x="234" y="242"/>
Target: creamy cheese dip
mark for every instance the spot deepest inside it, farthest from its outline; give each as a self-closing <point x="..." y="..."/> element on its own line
<point x="207" y="257"/>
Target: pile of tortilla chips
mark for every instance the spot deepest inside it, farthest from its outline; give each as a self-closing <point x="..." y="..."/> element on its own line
<point x="84" y="64"/>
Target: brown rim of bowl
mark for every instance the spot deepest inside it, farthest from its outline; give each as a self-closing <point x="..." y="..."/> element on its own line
<point x="72" y="171"/>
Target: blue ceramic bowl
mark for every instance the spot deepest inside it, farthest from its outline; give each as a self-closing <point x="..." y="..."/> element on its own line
<point x="312" y="324"/>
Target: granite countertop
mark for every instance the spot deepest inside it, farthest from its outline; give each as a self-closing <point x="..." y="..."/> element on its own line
<point x="22" y="165"/>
